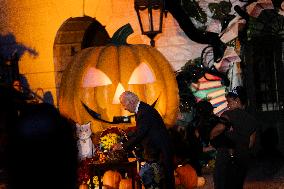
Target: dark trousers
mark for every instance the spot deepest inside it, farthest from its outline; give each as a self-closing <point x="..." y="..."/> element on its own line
<point x="229" y="172"/>
<point x="220" y="170"/>
<point x="169" y="181"/>
<point x="167" y="160"/>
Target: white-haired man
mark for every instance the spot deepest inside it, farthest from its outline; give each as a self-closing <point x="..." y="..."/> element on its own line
<point x="152" y="133"/>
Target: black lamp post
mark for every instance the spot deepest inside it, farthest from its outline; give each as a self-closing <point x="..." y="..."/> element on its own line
<point x="150" y="16"/>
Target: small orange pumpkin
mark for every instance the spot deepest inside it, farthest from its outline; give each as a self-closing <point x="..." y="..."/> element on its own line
<point x="125" y="184"/>
<point x="200" y="181"/>
<point x="111" y="179"/>
<point x="187" y="176"/>
<point x="84" y="186"/>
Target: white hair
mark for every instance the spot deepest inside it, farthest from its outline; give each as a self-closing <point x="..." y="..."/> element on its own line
<point x="130" y="96"/>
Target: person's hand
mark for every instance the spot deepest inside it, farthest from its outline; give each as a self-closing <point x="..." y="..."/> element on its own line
<point x="117" y="146"/>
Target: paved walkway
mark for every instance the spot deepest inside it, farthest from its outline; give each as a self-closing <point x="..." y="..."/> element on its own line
<point x="267" y="173"/>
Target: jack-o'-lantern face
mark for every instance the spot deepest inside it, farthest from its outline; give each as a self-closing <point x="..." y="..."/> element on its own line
<point x="94" y="77"/>
<point x="140" y="76"/>
<point x="98" y="76"/>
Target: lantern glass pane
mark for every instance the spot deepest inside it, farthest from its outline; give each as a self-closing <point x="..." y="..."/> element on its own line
<point x="145" y="20"/>
<point x="156" y="14"/>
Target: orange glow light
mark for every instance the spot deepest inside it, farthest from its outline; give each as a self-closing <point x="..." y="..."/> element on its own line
<point x="119" y="90"/>
<point x="95" y="78"/>
<point x="142" y="75"/>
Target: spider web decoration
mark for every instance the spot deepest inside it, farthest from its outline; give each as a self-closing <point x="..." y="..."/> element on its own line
<point x="269" y="22"/>
<point x="207" y="57"/>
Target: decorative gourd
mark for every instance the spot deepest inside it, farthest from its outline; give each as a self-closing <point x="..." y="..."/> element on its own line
<point x="125" y="184"/>
<point x="187" y="177"/>
<point x="98" y="75"/>
<point x="111" y="179"/>
<point x="200" y="181"/>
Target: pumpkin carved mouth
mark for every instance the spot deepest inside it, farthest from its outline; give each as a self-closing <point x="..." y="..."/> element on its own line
<point x="116" y="119"/>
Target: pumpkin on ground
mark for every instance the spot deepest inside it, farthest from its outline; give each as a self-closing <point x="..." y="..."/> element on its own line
<point x="177" y="180"/>
<point x="84" y="186"/>
<point x="200" y="181"/>
<point x="187" y="177"/>
<point x="111" y="179"/>
<point x="125" y="184"/>
<point x="98" y="75"/>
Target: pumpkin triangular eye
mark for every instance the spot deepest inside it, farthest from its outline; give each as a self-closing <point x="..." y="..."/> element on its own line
<point x="118" y="92"/>
<point x="142" y="75"/>
<point x="95" y="77"/>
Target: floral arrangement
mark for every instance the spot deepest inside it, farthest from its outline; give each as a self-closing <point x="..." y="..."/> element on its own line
<point x="109" y="137"/>
<point x="108" y="140"/>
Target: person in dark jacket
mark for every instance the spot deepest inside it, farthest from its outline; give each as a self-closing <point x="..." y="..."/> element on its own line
<point x="240" y="129"/>
<point x="152" y="133"/>
<point x="201" y="150"/>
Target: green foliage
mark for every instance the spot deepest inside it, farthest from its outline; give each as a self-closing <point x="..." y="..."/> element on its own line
<point x="220" y="10"/>
<point x="187" y="74"/>
<point x="188" y="65"/>
<point x="193" y="10"/>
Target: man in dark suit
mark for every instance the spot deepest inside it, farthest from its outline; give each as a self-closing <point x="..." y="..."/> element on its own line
<point x="152" y="133"/>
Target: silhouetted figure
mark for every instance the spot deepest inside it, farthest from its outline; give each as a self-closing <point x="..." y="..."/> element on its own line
<point x="11" y="101"/>
<point x="199" y="134"/>
<point x="42" y="150"/>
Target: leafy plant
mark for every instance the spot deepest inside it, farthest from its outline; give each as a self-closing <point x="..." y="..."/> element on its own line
<point x="221" y="11"/>
<point x="193" y="10"/>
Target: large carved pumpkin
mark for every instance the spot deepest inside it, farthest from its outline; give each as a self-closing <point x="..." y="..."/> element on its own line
<point x="98" y="75"/>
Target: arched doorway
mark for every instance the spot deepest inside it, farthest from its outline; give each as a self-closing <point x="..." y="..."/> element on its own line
<point x="74" y="35"/>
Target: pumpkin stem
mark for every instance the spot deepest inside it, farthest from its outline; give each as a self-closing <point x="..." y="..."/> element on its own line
<point x="120" y="36"/>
